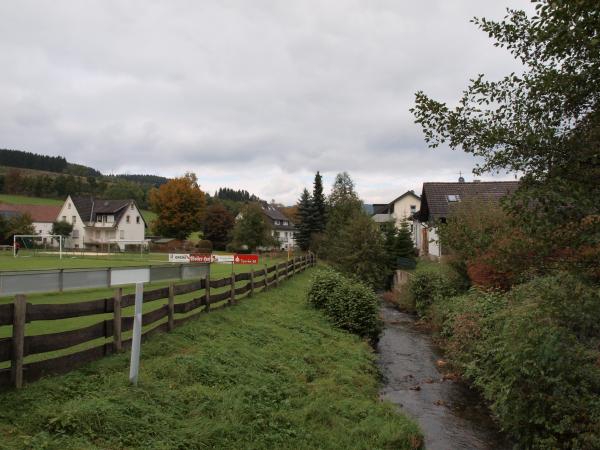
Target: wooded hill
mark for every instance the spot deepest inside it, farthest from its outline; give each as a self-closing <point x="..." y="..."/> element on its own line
<point x="35" y="175"/>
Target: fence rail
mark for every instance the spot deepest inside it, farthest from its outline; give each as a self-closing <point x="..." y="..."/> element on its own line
<point x="20" y="312"/>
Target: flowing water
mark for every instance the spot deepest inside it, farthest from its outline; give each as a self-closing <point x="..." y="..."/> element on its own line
<point x="450" y="415"/>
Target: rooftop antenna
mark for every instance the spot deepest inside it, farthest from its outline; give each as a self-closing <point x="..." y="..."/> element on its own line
<point x="460" y="177"/>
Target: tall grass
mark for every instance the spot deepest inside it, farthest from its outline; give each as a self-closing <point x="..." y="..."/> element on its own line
<point x="268" y="373"/>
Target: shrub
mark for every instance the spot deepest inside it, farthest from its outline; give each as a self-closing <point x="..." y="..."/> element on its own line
<point x="348" y="304"/>
<point x="431" y="282"/>
<point x="533" y="352"/>
<point x="204" y="246"/>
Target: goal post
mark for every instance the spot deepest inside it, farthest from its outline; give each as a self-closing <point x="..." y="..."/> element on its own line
<point x="59" y="237"/>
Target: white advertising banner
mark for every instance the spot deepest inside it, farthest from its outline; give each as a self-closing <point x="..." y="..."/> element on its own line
<point x="179" y="257"/>
<point x="223" y="258"/>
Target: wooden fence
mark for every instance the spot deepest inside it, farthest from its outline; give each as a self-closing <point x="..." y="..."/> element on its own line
<point x="20" y="312"/>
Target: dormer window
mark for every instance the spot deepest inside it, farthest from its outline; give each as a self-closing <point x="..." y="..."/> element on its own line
<point x="277" y="222"/>
<point x="454" y="198"/>
<point x="285" y="222"/>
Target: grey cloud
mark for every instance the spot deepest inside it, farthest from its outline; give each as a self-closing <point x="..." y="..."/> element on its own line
<point x="255" y="95"/>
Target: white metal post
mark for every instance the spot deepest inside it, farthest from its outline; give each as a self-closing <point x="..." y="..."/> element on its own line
<point x="136" y="340"/>
<point x="14" y="246"/>
<point x="60" y="246"/>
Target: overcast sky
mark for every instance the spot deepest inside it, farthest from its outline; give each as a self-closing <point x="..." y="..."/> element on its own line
<point x="247" y="94"/>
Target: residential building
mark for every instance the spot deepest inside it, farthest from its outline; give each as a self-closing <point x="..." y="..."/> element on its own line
<point x="398" y="210"/>
<point x="42" y="216"/>
<point x="98" y="222"/>
<point x="283" y="227"/>
<point x="437" y="201"/>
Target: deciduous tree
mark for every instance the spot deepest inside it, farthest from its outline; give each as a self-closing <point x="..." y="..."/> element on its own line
<point x="252" y="229"/>
<point x="218" y="225"/>
<point x="180" y="207"/>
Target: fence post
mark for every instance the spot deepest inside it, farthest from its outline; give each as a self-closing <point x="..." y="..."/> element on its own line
<point x="18" y="340"/>
<point x="277" y="274"/>
<point x="266" y="272"/>
<point x="117" y="339"/>
<point x="171" y="322"/>
<point x="251" y="283"/>
<point x="207" y="288"/>
<point x="232" y="297"/>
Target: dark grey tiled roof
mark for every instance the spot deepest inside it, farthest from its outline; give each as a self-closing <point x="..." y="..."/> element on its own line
<point x="89" y="207"/>
<point x="434" y="200"/>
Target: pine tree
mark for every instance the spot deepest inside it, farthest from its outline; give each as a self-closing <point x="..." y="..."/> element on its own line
<point x="405" y="247"/>
<point x="306" y="223"/>
<point x="319" y="205"/>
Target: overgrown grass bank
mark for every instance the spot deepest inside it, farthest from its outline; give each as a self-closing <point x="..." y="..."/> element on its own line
<point x="268" y="373"/>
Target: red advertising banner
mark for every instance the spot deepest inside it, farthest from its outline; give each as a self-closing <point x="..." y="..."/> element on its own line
<point x="246" y="259"/>
<point x="201" y="258"/>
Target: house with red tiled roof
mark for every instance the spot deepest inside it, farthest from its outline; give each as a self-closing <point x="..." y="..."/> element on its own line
<point x="42" y="216"/>
<point x="437" y="201"/>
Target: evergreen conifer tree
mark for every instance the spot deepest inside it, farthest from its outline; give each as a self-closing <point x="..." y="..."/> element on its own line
<point x="305" y="225"/>
<point x="319" y="205"/>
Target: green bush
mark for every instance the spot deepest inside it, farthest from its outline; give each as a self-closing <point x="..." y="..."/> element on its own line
<point x="433" y="281"/>
<point x="533" y="352"/>
<point x="348" y="304"/>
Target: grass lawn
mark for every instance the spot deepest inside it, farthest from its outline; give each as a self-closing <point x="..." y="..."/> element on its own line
<point x="23" y="200"/>
<point x="268" y="373"/>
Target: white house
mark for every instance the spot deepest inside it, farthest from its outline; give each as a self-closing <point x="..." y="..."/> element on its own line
<point x="42" y="216"/>
<point x="283" y="227"/>
<point x="398" y="210"/>
<point x="437" y="200"/>
<point x="97" y="222"/>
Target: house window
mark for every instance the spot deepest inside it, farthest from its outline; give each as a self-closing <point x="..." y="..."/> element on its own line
<point x="74" y="218"/>
<point x="285" y="222"/>
<point x="110" y="219"/>
<point x="413" y="208"/>
<point x="68" y="206"/>
<point x="64" y="218"/>
<point x="122" y="234"/>
<point x="98" y="218"/>
<point x="454" y="198"/>
<point x="277" y="222"/>
<point x="131" y="206"/>
<point x="127" y="219"/>
<point x="137" y="219"/>
<point x="75" y="234"/>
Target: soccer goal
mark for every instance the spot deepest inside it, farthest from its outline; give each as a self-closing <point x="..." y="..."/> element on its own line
<point x="37" y="242"/>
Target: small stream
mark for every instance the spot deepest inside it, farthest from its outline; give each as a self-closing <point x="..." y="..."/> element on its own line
<point x="450" y="415"/>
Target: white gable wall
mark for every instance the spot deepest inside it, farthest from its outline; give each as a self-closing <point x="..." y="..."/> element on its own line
<point x="69" y="213"/>
<point x="132" y="230"/>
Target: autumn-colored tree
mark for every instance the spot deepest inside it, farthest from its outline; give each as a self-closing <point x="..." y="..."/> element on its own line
<point x="180" y="206"/>
<point x="218" y="225"/>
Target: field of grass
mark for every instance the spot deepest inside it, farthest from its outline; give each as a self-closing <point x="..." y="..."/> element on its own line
<point x="149" y="216"/>
<point x="267" y="373"/>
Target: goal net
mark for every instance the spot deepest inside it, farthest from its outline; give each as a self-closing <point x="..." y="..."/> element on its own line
<point x="38" y="244"/>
